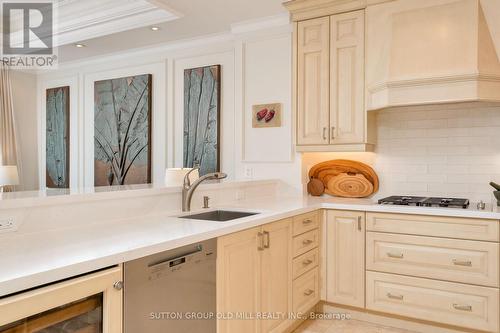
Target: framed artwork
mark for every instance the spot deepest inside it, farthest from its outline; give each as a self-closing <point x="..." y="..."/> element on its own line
<point x="266" y="115"/>
<point x="57" y="138"/>
<point x="202" y="118"/>
<point x="122" y="131"/>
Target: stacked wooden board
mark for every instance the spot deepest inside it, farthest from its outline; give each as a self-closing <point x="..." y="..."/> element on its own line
<point x="342" y="178"/>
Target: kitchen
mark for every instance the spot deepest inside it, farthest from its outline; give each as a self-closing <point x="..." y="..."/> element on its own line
<point x="348" y="150"/>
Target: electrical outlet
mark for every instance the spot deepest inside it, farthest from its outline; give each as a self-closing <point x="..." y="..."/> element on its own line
<point x="8" y="224"/>
<point x="248" y="172"/>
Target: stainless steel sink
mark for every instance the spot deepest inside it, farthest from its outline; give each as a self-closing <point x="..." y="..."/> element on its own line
<point x="218" y="215"/>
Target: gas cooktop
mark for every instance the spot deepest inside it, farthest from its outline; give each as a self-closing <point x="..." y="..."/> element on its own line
<point x="425" y="202"/>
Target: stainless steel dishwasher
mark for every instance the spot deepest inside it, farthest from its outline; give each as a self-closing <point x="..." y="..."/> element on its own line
<point x="172" y="292"/>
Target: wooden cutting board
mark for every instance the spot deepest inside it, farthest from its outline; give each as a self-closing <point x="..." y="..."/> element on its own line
<point x="357" y="187"/>
<point x="350" y="186"/>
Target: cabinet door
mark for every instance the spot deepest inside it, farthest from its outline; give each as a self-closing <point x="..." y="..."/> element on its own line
<point x="238" y="280"/>
<point x="86" y="304"/>
<point x="346" y="258"/>
<point x="276" y="275"/>
<point x="347" y="111"/>
<point x="313" y="57"/>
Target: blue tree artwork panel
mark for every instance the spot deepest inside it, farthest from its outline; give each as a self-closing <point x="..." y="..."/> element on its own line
<point x="122" y="131"/>
<point x="202" y="118"/>
<point x="57" y="137"/>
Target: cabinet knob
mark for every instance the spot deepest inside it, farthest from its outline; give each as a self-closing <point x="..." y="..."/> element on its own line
<point x="118" y="285"/>
<point x="306" y="222"/>
<point x="307" y="262"/>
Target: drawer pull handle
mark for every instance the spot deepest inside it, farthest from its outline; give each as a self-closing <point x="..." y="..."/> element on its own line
<point x="307" y="241"/>
<point x="462" y="262"/>
<point x="261" y="247"/>
<point x="306" y="222"/>
<point x="267" y="240"/>
<point x="308" y="292"/>
<point x="462" y="307"/>
<point x="307" y="262"/>
<point x="395" y="255"/>
<point x="393" y="296"/>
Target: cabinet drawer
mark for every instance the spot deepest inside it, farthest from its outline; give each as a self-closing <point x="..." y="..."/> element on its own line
<point x="456" y="260"/>
<point x="305" y="222"/>
<point x="305" y="242"/>
<point x="444" y="302"/>
<point x="306" y="291"/>
<point x="440" y="226"/>
<point x="305" y="262"/>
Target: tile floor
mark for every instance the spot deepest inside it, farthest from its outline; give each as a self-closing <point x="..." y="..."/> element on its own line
<point x="345" y="326"/>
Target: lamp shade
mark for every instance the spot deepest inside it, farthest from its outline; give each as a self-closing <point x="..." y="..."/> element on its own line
<point x="8" y="175"/>
<point x="175" y="176"/>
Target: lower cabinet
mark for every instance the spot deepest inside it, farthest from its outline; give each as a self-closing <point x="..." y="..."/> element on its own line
<point x="456" y="304"/>
<point x="88" y="304"/>
<point x="254" y="274"/>
<point x="345" y="281"/>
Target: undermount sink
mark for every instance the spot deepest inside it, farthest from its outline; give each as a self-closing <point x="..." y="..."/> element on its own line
<point x="218" y="215"/>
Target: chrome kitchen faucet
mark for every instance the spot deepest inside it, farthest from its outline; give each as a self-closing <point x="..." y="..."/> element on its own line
<point x="188" y="188"/>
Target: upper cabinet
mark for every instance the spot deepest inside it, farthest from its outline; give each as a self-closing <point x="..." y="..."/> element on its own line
<point x="329" y="77"/>
<point x="313" y="81"/>
<point x="429" y="52"/>
<point x="354" y="56"/>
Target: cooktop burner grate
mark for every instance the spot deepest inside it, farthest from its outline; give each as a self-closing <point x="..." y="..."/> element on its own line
<point x="446" y="202"/>
<point x="425" y="202"/>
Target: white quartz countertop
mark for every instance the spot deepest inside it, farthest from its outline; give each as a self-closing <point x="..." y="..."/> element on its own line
<point x="39" y="258"/>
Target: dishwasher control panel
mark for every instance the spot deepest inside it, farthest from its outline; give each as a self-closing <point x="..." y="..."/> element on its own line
<point x="169" y="265"/>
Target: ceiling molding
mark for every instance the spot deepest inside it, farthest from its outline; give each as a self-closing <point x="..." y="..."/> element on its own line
<point x="82" y="20"/>
<point x="260" y="24"/>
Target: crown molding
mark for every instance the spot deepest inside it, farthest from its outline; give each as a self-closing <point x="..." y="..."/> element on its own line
<point x="261" y="24"/>
<point x="76" y="21"/>
<point x="307" y="9"/>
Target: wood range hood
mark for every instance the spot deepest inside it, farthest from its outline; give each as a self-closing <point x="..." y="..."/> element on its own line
<point x="430" y="52"/>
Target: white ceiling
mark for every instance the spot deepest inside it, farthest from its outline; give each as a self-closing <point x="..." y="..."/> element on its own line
<point x="179" y="19"/>
<point x="85" y="19"/>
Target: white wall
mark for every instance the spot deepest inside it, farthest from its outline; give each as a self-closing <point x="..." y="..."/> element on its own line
<point x="256" y="69"/>
<point x="433" y="151"/>
<point x="24" y="87"/>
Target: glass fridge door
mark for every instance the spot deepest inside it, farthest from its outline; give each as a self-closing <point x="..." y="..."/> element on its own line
<point x="83" y="316"/>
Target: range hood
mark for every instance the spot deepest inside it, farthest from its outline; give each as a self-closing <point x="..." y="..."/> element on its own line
<point x="430" y="52"/>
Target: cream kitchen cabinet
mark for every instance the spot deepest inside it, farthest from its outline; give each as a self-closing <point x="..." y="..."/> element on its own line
<point x="345" y="280"/>
<point x="430" y="52"/>
<point x="313" y="81"/>
<point x="254" y="277"/>
<point x="329" y="77"/>
<point x="91" y="303"/>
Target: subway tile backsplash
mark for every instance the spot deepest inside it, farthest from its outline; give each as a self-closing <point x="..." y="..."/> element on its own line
<point x="454" y="151"/>
<point x="433" y="151"/>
